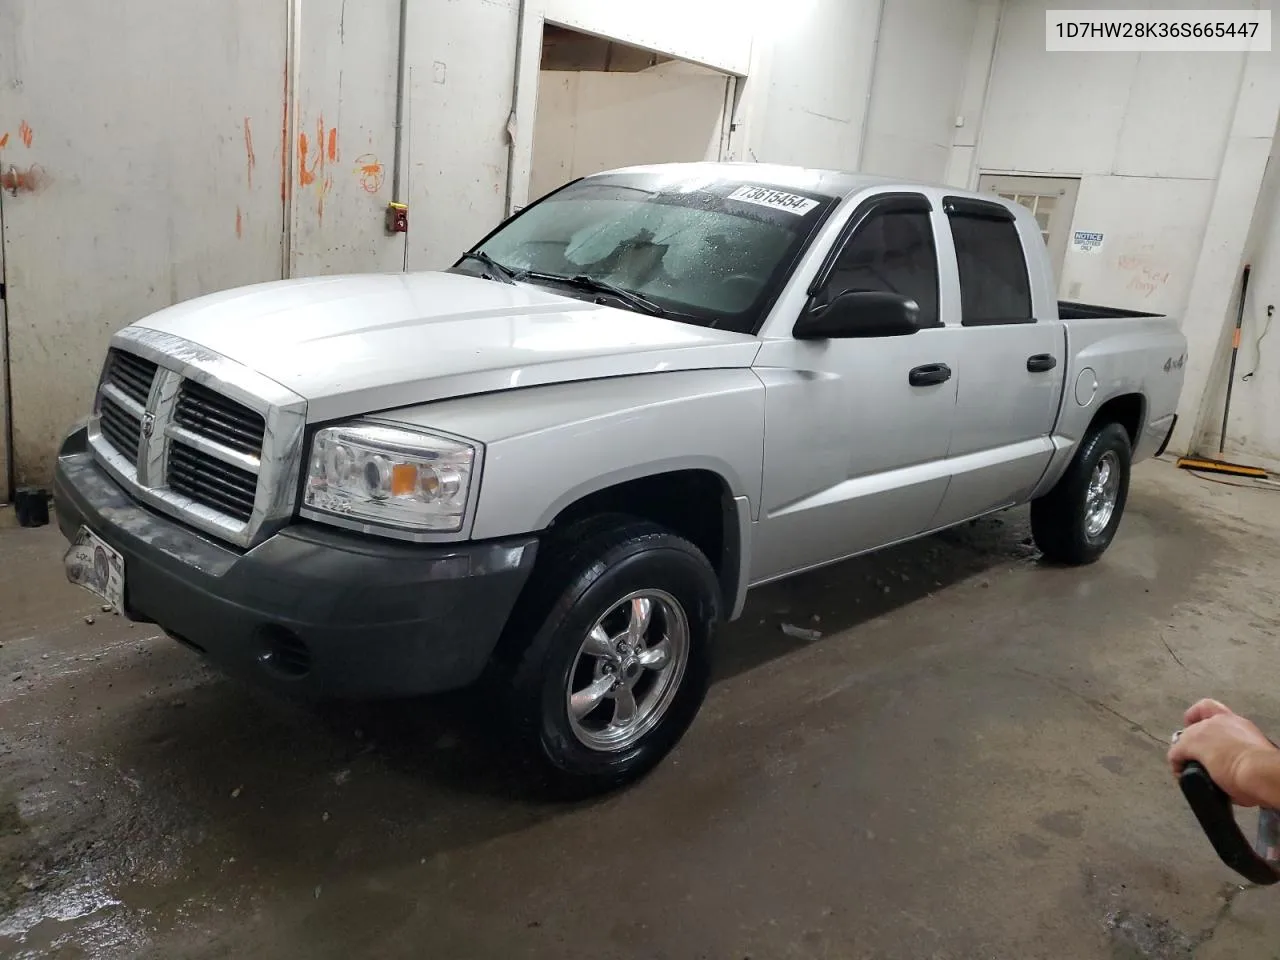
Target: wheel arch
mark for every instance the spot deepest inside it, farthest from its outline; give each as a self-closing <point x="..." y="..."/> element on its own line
<point x="695" y="502"/>
<point x="1127" y="409"/>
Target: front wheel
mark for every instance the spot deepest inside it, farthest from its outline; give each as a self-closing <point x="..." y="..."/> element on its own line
<point x="611" y="661"/>
<point x="1076" y="521"/>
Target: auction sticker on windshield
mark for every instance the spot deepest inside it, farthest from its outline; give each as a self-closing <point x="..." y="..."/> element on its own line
<point x="774" y="199"/>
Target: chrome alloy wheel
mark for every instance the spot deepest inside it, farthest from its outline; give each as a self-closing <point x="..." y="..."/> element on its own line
<point x="627" y="671"/>
<point x="1103" y="492"/>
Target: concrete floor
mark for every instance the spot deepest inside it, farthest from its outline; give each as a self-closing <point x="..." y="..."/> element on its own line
<point x="969" y="763"/>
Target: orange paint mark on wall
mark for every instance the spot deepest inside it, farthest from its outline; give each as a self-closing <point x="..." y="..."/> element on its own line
<point x="305" y="176"/>
<point x="250" y="159"/>
<point x="284" y="145"/>
<point x="324" y="188"/>
<point x="25" y="132"/>
<point x="239" y="224"/>
<point x="370" y="171"/>
<point x="4" y="141"/>
<point x="313" y="159"/>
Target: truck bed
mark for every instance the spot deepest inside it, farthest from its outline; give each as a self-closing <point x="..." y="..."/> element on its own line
<point x="1070" y="310"/>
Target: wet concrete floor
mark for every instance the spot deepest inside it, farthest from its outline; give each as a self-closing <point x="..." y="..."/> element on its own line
<point x="968" y="763"/>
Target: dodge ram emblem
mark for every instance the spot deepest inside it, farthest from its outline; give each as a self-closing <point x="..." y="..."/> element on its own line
<point x="148" y="424"/>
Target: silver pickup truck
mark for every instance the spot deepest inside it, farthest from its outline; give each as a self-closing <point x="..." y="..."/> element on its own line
<point x="557" y="466"/>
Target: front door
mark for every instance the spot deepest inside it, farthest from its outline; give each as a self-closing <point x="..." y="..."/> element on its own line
<point x="141" y="155"/>
<point x="855" y="444"/>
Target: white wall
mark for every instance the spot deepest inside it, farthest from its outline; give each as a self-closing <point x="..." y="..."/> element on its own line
<point x="806" y="97"/>
<point x="1234" y="217"/>
<point x="1170" y="150"/>
<point x="347" y="92"/>
<point x="463" y="72"/>
<point x="589" y="121"/>
<point x="920" y="66"/>
<point x="715" y="33"/>
<point x="962" y="166"/>
<point x="1153" y="229"/>
<point x="1121" y="114"/>
<point x="1253" y="429"/>
<point x="1144" y="133"/>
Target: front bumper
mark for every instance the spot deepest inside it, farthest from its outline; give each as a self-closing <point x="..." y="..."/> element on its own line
<point x="312" y="611"/>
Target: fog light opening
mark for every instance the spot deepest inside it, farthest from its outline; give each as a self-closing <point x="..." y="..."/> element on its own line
<point x="283" y="652"/>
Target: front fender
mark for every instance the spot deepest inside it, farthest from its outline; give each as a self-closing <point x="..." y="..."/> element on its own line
<point x="547" y="447"/>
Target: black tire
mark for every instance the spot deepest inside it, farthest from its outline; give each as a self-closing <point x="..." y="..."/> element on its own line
<point x="580" y="576"/>
<point x="1058" y="519"/>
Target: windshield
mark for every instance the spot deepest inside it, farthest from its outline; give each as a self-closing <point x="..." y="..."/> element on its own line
<point x="709" y="252"/>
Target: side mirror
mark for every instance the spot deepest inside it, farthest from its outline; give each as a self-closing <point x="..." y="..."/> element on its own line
<point x="859" y="313"/>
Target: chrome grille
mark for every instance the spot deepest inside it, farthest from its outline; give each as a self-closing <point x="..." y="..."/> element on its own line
<point x="131" y="375"/>
<point x="198" y="436"/>
<point x="211" y="415"/>
<point x="120" y="427"/>
<point x="126" y="386"/>
<point x="212" y="482"/>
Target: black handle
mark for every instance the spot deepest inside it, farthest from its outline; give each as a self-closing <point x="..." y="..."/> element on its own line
<point x="1041" y="362"/>
<point x="1212" y="808"/>
<point x="929" y="375"/>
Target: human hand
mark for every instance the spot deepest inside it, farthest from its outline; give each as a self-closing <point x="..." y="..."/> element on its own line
<point x="1203" y="710"/>
<point x="1237" y="755"/>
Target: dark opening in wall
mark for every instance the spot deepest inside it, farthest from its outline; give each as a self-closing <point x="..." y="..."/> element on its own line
<point x="565" y="49"/>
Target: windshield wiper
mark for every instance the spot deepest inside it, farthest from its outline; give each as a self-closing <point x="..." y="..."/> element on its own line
<point x="584" y="282"/>
<point x="505" y="274"/>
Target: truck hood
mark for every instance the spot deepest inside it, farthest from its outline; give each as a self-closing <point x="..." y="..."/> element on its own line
<point x="359" y="344"/>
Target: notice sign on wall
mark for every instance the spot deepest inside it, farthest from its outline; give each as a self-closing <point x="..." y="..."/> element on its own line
<point x="1084" y="242"/>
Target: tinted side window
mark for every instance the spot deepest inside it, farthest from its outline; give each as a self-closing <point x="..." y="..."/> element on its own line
<point x="891" y="252"/>
<point x="994" y="287"/>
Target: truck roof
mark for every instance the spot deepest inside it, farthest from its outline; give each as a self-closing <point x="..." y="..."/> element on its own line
<point x="834" y="183"/>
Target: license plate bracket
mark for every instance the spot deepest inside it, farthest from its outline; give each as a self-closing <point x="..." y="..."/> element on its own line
<point x="94" y="564"/>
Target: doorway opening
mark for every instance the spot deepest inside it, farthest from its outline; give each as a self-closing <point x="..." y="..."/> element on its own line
<point x="604" y="104"/>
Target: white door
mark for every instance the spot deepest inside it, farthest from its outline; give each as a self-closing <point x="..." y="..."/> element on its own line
<point x="1052" y="200"/>
<point x="855" y="451"/>
<point x="1012" y="368"/>
<point x="143" y="138"/>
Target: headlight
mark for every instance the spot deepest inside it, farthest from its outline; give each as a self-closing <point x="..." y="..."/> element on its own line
<point x="390" y="475"/>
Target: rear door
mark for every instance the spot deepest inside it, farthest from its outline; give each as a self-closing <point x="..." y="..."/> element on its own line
<point x="855" y="451"/>
<point x="1012" y="365"/>
<point x="1051" y="200"/>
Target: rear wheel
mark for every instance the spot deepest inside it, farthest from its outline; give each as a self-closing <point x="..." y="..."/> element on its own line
<point x="607" y="652"/>
<point x="1076" y="521"/>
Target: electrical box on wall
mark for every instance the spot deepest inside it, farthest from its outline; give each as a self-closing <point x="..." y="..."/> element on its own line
<point x="397" y="218"/>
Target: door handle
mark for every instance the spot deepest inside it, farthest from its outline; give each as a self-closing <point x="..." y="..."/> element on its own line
<point x="929" y="375"/>
<point x="1041" y="362"/>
